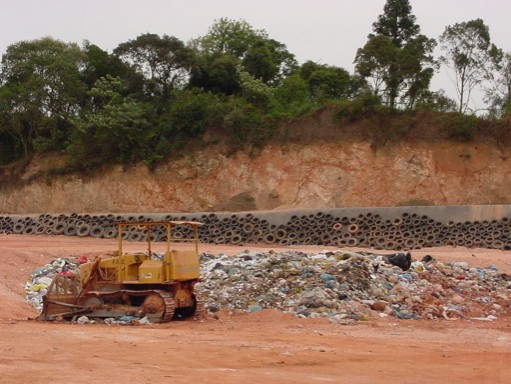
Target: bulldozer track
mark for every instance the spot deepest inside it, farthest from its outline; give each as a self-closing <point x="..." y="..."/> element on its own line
<point x="200" y="309"/>
<point x="169" y="306"/>
<point x="167" y="297"/>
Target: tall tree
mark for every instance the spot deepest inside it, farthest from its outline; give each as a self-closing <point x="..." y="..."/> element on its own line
<point x="266" y="59"/>
<point x="41" y="90"/>
<point x="374" y="63"/>
<point x="498" y="92"/>
<point x="99" y="63"/>
<point x="111" y="129"/>
<point x="216" y="72"/>
<point x="164" y="61"/>
<point x="233" y="37"/>
<point x="328" y="82"/>
<point x="397" y="59"/>
<point x="397" y="22"/>
<point x="467" y="53"/>
<point x="269" y="61"/>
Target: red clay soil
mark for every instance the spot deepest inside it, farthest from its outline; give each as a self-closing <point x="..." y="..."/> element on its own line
<point x="261" y="347"/>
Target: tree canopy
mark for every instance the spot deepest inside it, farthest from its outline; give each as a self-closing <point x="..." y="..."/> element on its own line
<point x="468" y="52"/>
<point x="165" y="62"/>
<point x="40" y="91"/>
<point x="152" y="95"/>
<point x="397" y="60"/>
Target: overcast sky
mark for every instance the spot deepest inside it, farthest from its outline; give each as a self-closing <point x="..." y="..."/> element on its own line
<point x="325" y="31"/>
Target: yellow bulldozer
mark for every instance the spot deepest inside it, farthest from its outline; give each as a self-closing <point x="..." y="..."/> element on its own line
<point x="156" y="285"/>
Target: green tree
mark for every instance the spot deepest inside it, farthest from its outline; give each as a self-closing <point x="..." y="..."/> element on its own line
<point x="292" y="98"/>
<point x="436" y="101"/>
<point x="41" y="90"/>
<point x="266" y="59"/>
<point x="397" y="22"/>
<point x="217" y="73"/>
<point x="233" y="37"/>
<point x="397" y="60"/>
<point x="498" y="92"/>
<point x="112" y="129"/>
<point x="164" y="61"/>
<point x="374" y="63"/>
<point x="467" y="53"/>
<point x="188" y="115"/>
<point x="269" y="61"/>
<point x="328" y="82"/>
<point x="331" y="83"/>
<point x="99" y="63"/>
<point x="417" y="67"/>
<point x="255" y="91"/>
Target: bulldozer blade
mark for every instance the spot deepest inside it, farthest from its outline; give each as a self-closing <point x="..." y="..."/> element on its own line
<point x="60" y="303"/>
<point x="53" y="316"/>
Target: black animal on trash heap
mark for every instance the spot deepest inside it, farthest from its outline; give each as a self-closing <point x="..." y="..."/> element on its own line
<point x="401" y="260"/>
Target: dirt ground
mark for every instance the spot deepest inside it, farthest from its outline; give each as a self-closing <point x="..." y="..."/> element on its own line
<point x="261" y="347"/>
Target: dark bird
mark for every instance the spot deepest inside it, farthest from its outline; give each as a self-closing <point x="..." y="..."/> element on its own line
<point x="401" y="260"/>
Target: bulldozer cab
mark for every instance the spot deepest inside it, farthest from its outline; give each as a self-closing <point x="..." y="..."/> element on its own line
<point x="177" y="260"/>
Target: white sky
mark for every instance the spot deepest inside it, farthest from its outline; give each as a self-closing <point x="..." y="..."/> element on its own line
<point x="325" y="31"/>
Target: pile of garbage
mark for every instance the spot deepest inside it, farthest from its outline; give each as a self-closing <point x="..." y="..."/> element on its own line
<point x="349" y="286"/>
<point x="343" y="286"/>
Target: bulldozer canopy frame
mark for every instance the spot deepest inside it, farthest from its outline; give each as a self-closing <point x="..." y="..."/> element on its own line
<point x="169" y="229"/>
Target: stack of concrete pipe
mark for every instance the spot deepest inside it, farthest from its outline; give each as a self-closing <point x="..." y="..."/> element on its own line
<point x="399" y="228"/>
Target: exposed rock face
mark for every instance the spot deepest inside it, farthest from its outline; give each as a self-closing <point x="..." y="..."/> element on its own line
<point x="319" y="175"/>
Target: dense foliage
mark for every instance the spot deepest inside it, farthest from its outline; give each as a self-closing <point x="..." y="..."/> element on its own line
<point x="153" y="95"/>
